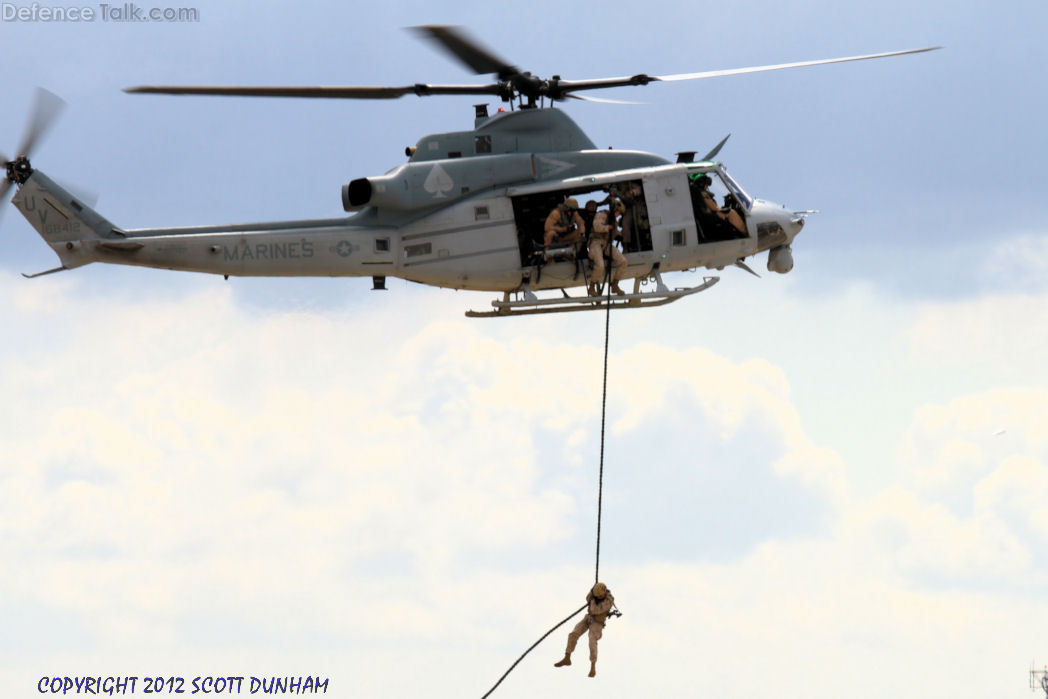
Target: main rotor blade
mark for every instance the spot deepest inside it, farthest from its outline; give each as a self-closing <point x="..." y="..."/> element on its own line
<point x="46" y="107"/>
<point x="782" y="66"/>
<point x="463" y="47"/>
<point x="602" y="100"/>
<point x="336" y="92"/>
<point x="566" y="86"/>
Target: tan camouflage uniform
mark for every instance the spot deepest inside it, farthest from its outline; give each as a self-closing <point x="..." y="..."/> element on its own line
<point x="556" y="226"/>
<point x="600" y="240"/>
<point x="592" y="622"/>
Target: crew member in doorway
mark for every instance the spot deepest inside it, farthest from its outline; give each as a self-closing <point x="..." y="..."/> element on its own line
<point x="600" y="245"/>
<point x="564" y="226"/>
<point x="587" y="213"/>
<point x="631" y="198"/>
<point x="600" y="604"/>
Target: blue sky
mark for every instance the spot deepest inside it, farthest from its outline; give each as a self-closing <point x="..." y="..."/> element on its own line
<point x="807" y="477"/>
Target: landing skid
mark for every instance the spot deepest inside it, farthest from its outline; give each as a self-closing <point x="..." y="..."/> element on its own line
<point x="529" y="304"/>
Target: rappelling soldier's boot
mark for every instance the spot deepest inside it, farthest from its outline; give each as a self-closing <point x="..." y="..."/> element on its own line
<point x="593" y="668"/>
<point x="618" y="289"/>
<point x="565" y="661"/>
<point x="592" y="290"/>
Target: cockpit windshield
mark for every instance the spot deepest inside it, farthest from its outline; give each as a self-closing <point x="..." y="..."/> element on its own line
<point x="720" y="181"/>
<point x="738" y="191"/>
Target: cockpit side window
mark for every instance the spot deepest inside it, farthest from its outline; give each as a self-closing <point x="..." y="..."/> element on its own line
<point x="720" y="210"/>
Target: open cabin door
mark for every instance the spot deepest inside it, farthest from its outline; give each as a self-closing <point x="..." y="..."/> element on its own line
<point x="530" y="212"/>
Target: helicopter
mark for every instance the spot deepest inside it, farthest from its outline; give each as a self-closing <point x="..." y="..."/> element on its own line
<point x="468" y="209"/>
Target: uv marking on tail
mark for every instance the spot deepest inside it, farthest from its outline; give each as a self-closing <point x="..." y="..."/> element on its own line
<point x="61" y="220"/>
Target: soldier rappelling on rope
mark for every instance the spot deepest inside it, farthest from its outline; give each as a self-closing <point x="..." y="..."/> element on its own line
<point x="601" y="605"/>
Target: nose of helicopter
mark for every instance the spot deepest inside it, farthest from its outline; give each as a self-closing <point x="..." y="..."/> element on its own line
<point x="767" y="214"/>
<point x="796" y="223"/>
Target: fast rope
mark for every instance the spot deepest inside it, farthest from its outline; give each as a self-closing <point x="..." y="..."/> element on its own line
<point x="603" y="413"/>
<point x="600" y="479"/>
<point x="541" y="639"/>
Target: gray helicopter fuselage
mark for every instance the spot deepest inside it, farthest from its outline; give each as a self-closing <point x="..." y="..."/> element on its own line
<point x="463" y="212"/>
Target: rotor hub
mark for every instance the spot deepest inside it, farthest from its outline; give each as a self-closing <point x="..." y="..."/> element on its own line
<point x="19" y="170"/>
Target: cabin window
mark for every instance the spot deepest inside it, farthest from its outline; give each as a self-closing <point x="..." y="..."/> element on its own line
<point x="482" y="144"/>
<point x="480" y="213"/>
<point x="678" y="238"/>
<point x="417" y="250"/>
<point x="382" y="245"/>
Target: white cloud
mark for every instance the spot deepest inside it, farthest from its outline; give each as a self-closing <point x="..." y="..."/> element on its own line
<point x="165" y="457"/>
<point x="189" y="479"/>
<point x="931" y="545"/>
<point x="1018" y="262"/>
<point x="1019" y="488"/>
<point x="999" y="335"/>
<point x="981" y="453"/>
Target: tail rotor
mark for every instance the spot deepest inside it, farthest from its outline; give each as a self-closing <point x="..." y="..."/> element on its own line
<point x="46" y="108"/>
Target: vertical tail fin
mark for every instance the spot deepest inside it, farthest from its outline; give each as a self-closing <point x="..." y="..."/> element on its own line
<point x="63" y="221"/>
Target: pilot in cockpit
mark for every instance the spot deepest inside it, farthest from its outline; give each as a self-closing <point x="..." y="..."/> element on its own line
<point x="727" y="213"/>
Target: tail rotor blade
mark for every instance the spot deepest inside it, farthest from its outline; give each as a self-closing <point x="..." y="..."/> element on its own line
<point x="6" y="183"/>
<point x="84" y="196"/>
<point x="46" y="108"/>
